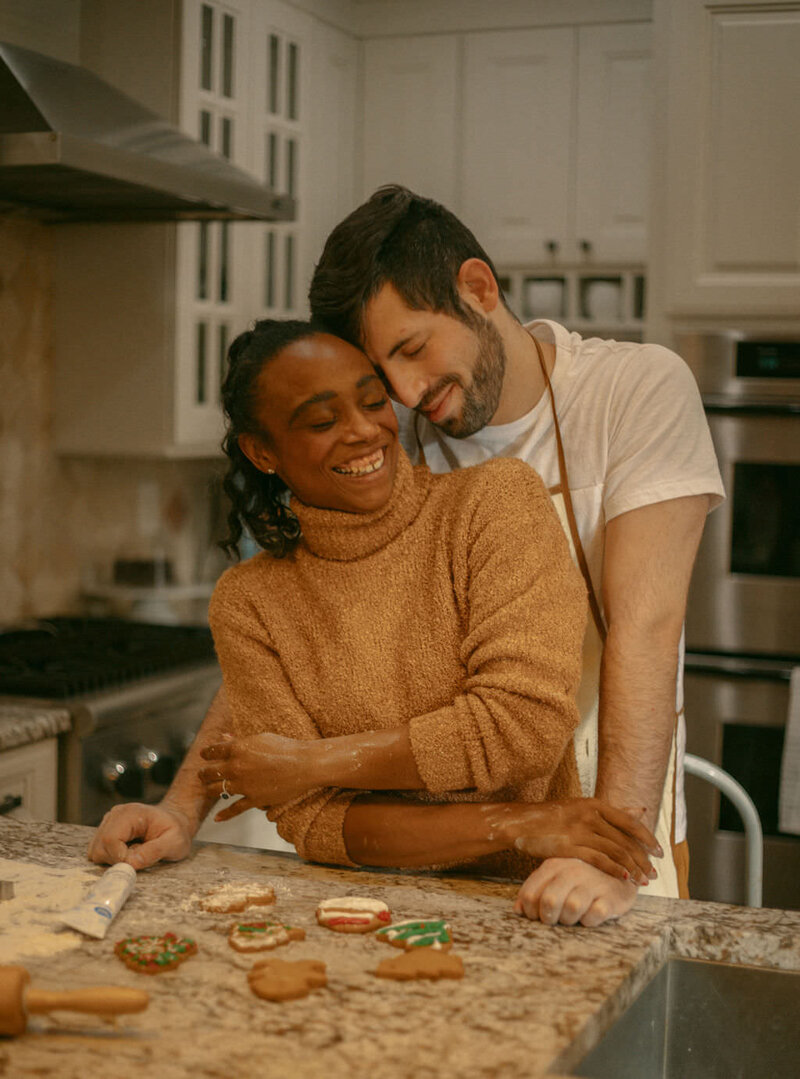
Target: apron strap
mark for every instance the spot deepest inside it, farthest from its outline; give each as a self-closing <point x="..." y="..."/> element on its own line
<point x="583" y="564"/>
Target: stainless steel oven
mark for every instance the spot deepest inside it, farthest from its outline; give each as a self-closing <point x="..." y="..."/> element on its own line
<point x="743" y="616"/>
<point x="136" y="694"/>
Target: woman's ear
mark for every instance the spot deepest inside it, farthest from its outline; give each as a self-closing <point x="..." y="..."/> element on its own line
<point x="257" y="452"/>
<point x="477" y="286"/>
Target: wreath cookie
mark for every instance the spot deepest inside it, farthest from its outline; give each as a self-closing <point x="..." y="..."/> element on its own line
<point x="262" y="936"/>
<point x="434" y="933"/>
<point x="421" y="963"/>
<point x="154" y="955"/>
<point x="353" y="914"/>
<point x="234" y="898"/>
<point x="275" y="979"/>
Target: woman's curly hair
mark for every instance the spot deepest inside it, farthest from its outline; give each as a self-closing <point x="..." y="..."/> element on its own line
<point x="257" y="500"/>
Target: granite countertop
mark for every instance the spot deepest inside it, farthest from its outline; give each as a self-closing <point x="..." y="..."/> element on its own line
<point x="533" y="999"/>
<point x="22" y="723"/>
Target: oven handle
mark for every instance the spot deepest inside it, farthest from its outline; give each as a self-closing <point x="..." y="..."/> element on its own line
<point x="737" y="406"/>
<point x="730" y="665"/>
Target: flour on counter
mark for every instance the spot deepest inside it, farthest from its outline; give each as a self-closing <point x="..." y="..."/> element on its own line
<point x="29" y="923"/>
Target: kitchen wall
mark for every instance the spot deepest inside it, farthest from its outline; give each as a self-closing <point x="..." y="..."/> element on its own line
<point x="62" y="519"/>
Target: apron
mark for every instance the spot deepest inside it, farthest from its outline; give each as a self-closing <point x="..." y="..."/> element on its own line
<point x="588" y="696"/>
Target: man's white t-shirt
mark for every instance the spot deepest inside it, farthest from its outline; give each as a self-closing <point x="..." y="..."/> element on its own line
<point x="634" y="433"/>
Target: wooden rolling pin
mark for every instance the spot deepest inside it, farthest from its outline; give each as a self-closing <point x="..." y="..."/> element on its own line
<point x="17" y="1001"/>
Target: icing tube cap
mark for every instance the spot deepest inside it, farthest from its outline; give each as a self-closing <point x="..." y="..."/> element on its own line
<point x="94" y="914"/>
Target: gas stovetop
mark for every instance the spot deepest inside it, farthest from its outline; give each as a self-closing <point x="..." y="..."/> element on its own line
<point x="65" y="657"/>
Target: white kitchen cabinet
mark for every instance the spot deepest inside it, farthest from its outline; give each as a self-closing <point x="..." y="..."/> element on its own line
<point x="557" y="143"/>
<point x="411" y="115"/>
<point x="731" y="195"/>
<point x="144" y="314"/>
<point x="30" y="773"/>
<point x="518" y="153"/>
<point x="613" y="142"/>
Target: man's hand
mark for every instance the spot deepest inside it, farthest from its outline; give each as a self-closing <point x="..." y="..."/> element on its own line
<point x="266" y="769"/>
<point x="570" y="891"/>
<point x="164" y="832"/>
<point x="612" y="840"/>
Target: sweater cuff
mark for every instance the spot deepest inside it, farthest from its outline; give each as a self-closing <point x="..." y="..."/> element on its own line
<point x="441" y="758"/>
<point x="324" y="838"/>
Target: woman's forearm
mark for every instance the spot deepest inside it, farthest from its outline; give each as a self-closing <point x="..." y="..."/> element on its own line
<point x="380" y="831"/>
<point x="385" y="832"/>
<point x="374" y="761"/>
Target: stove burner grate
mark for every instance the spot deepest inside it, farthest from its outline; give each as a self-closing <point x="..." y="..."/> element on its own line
<point x="66" y="657"/>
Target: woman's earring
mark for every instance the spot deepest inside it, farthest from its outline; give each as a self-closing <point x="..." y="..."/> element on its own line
<point x="270" y="471"/>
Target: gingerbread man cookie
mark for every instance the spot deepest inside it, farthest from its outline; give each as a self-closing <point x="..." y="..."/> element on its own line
<point x="233" y="898"/>
<point x="421" y="963"/>
<point x="353" y="914"/>
<point x="262" y="936"/>
<point x="154" y="955"/>
<point x="275" y="979"/>
<point x="434" y="933"/>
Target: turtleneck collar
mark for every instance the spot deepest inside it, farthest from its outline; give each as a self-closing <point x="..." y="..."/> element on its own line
<point x="346" y="537"/>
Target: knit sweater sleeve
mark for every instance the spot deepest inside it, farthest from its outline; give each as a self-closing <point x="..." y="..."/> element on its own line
<point x="261" y="698"/>
<point x="524" y="610"/>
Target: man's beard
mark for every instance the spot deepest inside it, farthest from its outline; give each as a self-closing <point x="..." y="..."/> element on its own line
<point x="482" y="396"/>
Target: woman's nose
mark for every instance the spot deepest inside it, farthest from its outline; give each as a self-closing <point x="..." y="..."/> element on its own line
<point x="362" y="426"/>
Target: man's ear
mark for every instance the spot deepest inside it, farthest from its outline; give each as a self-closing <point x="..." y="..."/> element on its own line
<point x="476" y="285"/>
<point x="257" y="452"/>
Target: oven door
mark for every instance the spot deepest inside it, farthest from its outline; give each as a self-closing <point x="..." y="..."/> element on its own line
<point x="736" y="712"/>
<point x="745" y="594"/>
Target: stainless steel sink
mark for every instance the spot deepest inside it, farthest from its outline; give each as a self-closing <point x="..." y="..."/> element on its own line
<point x="698" y="1020"/>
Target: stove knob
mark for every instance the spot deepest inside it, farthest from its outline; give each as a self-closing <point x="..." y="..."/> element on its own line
<point x="145" y="758"/>
<point x="122" y="778"/>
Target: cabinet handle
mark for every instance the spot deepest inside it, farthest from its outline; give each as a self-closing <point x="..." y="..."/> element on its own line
<point x="11" y="801"/>
<point x="586" y="246"/>
<point x="551" y="246"/>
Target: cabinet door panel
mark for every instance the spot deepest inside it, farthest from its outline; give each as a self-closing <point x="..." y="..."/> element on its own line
<point x="734" y="159"/>
<point x="410" y="95"/>
<point x="614" y="140"/>
<point x="518" y="106"/>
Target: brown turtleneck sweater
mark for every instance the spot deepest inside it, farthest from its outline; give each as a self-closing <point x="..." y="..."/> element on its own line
<point x="455" y="609"/>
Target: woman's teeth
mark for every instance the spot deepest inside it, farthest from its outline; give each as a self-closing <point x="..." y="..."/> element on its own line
<point x="362" y="466"/>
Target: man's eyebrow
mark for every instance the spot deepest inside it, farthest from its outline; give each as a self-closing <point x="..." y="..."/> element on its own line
<point x="400" y="344"/>
<point x="327" y="395"/>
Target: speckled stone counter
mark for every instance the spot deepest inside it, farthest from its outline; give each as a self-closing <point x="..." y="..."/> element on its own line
<point x="533" y="1000"/>
<point x="21" y="724"/>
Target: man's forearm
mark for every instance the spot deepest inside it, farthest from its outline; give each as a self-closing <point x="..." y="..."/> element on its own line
<point x="187" y="793"/>
<point x="637" y="719"/>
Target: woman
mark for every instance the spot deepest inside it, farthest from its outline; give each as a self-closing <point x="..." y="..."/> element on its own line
<point x="401" y="661"/>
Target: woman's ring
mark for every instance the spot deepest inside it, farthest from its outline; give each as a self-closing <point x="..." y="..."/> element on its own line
<point x="225" y="792"/>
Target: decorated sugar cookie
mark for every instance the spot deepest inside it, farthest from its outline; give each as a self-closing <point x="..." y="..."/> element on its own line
<point x="421" y="963"/>
<point x="353" y="914"/>
<point x="262" y="936"/>
<point x="275" y="979"/>
<point x="154" y="955"/>
<point x="434" y="933"/>
<point x="233" y="898"/>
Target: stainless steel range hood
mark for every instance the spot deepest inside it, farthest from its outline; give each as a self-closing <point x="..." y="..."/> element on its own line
<point x="72" y="148"/>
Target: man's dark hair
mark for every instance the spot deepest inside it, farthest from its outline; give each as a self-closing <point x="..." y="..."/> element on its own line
<point x="397" y="238"/>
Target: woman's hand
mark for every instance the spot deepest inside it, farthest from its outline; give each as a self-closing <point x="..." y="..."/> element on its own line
<point x="613" y="840"/>
<point x="266" y="769"/>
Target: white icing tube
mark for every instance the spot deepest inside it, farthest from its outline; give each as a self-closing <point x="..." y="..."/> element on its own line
<point x="93" y="915"/>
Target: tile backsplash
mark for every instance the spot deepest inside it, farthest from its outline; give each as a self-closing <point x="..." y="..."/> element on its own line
<point x="63" y="521"/>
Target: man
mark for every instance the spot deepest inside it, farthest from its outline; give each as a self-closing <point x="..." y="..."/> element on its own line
<point x="618" y="433"/>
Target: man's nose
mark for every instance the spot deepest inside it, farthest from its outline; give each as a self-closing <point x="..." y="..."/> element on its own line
<point x="408" y="386"/>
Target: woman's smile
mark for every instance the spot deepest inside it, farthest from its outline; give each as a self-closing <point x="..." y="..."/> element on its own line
<point x="363" y="466"/>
